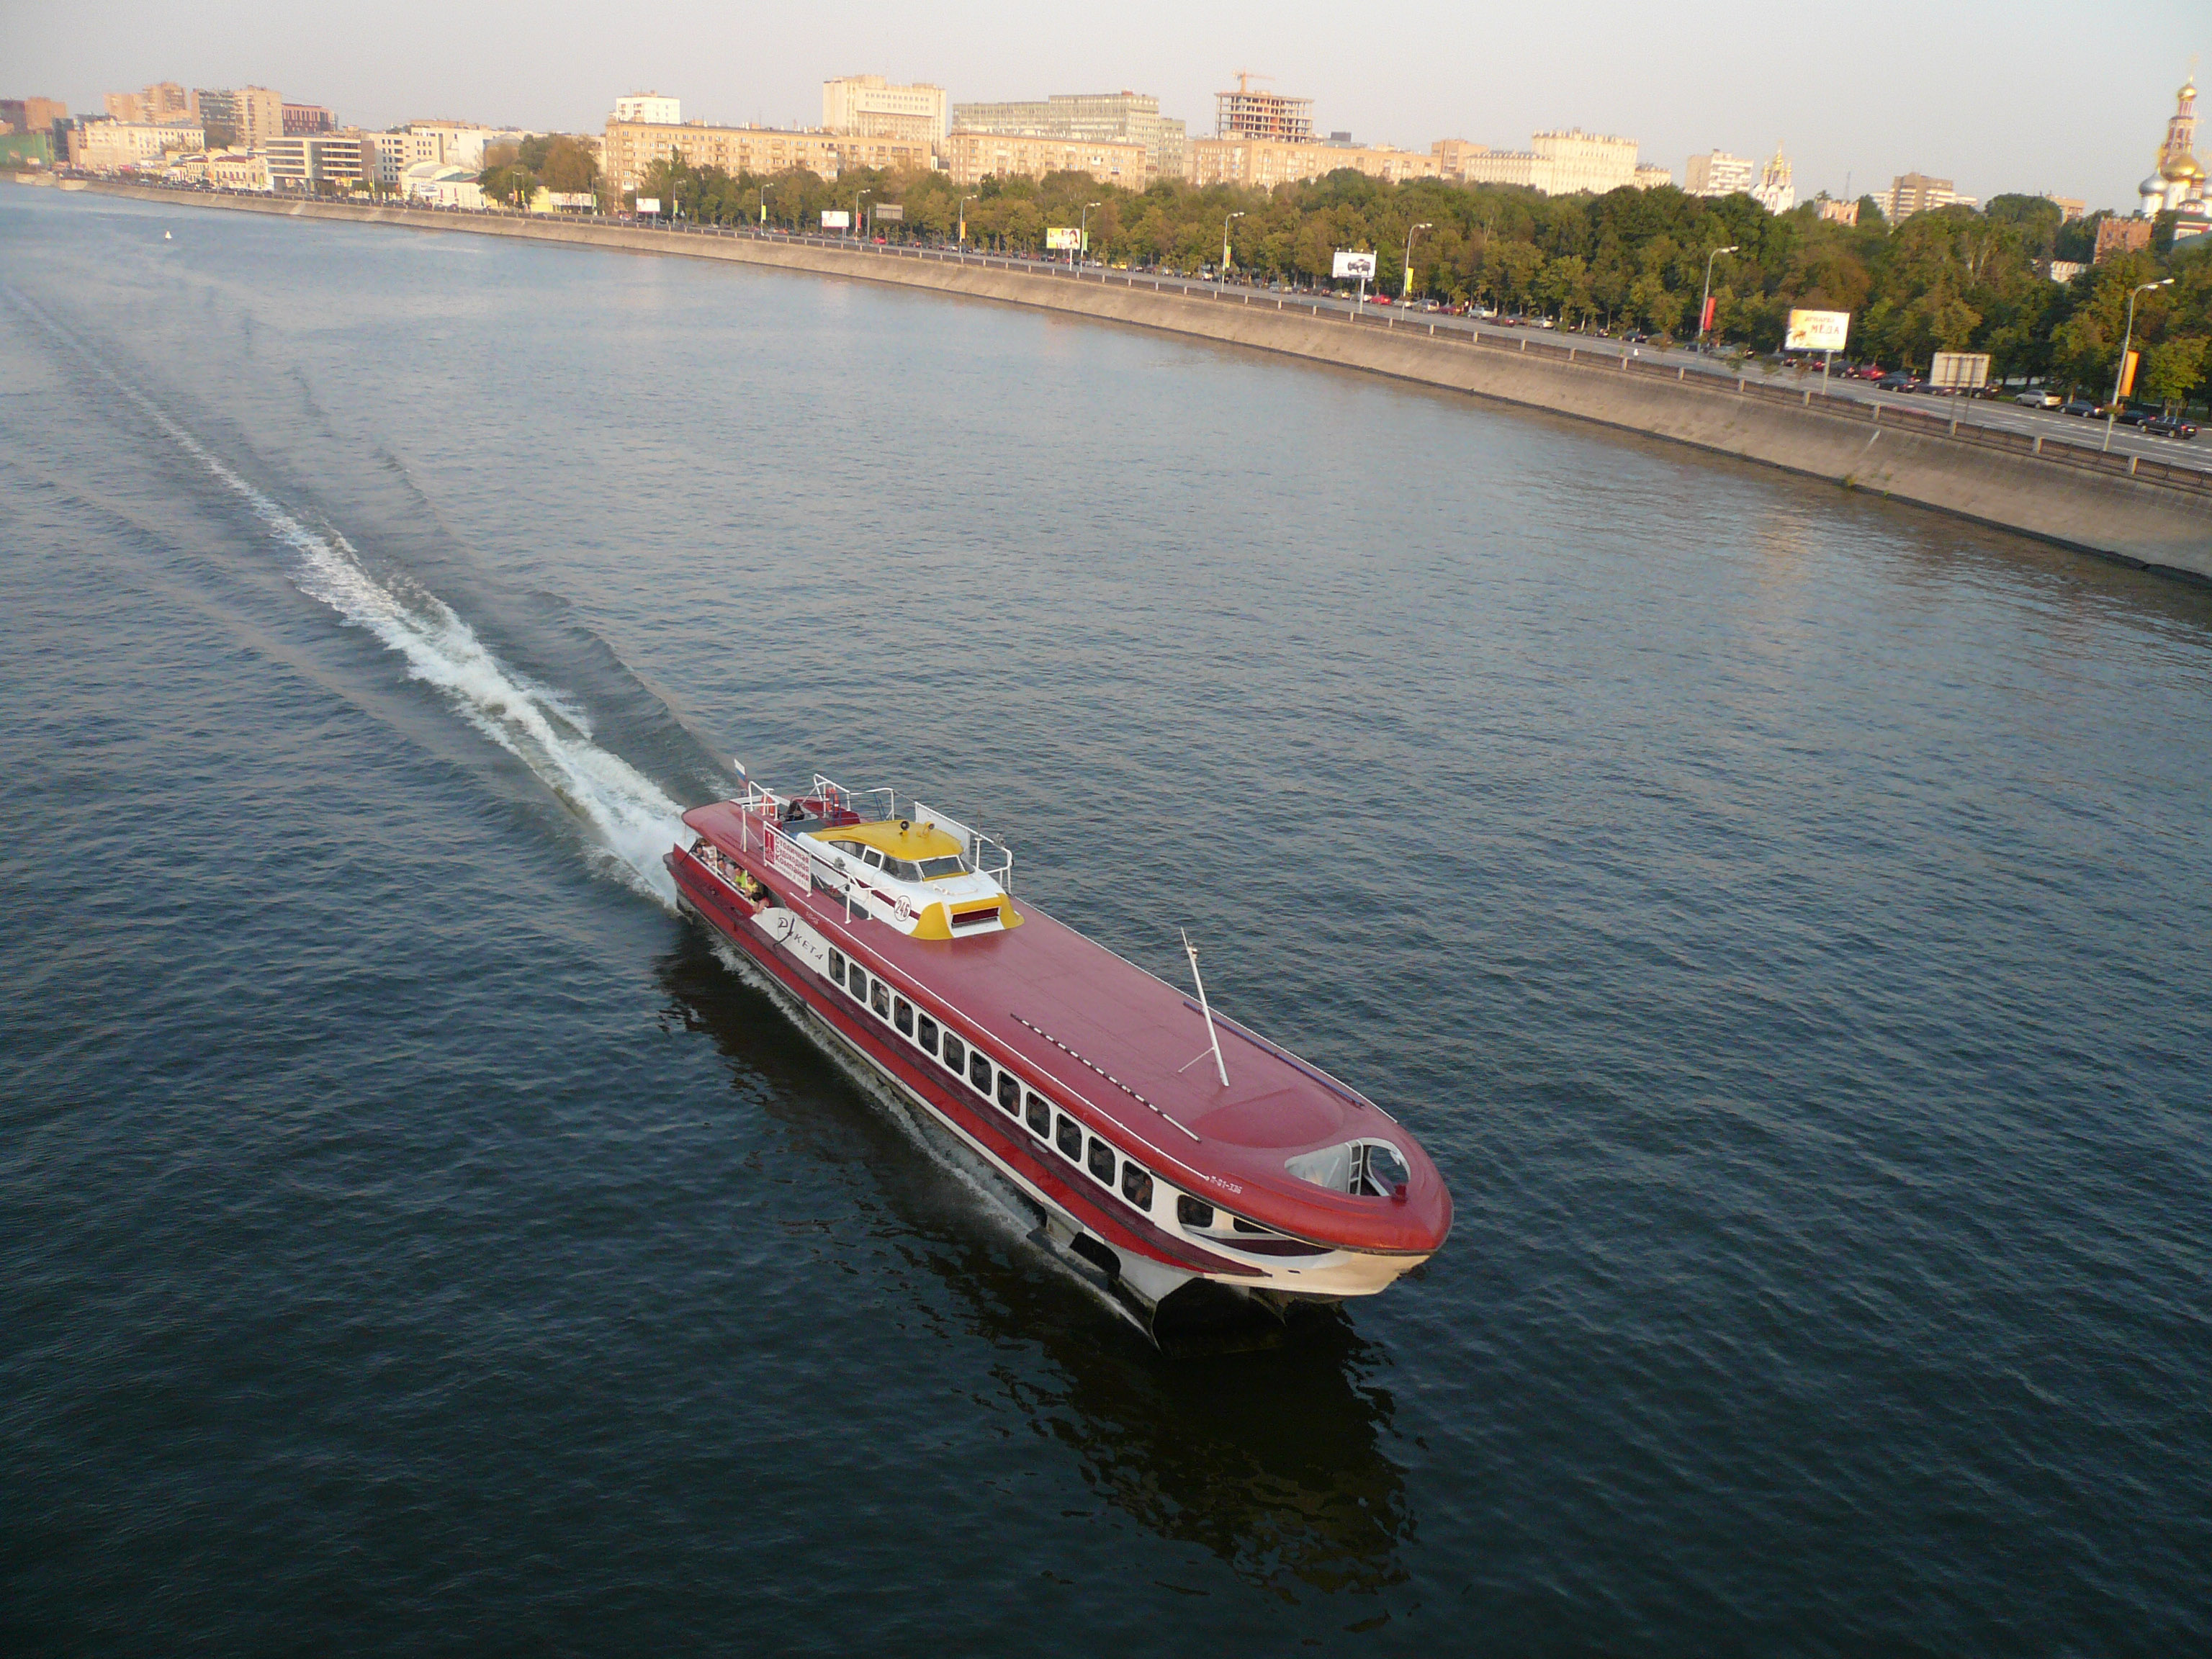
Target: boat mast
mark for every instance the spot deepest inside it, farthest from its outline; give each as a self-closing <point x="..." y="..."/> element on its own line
<point x="1213" y="1040"/>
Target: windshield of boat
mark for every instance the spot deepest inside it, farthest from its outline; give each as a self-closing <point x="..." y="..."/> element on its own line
<point x="949" y="865"/>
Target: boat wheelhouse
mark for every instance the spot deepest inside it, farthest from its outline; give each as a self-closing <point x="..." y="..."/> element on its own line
<point x="1184" y="1162"/>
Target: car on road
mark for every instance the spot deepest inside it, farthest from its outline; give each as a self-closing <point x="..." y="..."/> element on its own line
<point x="2081" y="406"/>
<point x="1636" y="337"/>
<point x="1865" y="372"/>
<point x="2038" y="399"/>
<point x="1898" y="380"/>
<point x="2168" y="426"/>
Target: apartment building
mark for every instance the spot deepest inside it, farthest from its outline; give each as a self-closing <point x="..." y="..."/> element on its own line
<point x="971" y="157"/>
<point x="299" y="119"/>
<point x="106" y="146"/>
<point x="631" y="147"/>
<point x="32" y="114"/>
<point x="869" y="106"/>
<point x="1097" y="117"/>
<point x="649" y="106"/>
<point x="1916" y="192"/>
<point x="1264" y="163"/>
<point x="1719" y="173"/>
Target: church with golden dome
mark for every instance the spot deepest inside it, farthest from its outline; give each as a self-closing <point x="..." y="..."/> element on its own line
<point x="2178" y="185"/>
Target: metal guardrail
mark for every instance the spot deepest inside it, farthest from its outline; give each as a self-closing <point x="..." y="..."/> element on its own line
<point x="2056" y="449"/>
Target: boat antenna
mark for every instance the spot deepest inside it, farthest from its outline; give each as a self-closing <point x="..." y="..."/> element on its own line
<point x="1213" y="1040"/>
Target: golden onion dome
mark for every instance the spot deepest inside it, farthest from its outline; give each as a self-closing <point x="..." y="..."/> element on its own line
<point x="2185" y="166"/>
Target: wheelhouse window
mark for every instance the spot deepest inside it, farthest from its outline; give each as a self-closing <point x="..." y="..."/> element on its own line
<point x="979" y="1073"/>
<point x="1010" y="1095"/>
<point x="926" y="1035"/>
<point x="901" y="869"/>
<point x="902" y="1016"/>
<point x="1136" y="1185"/>
<point x="837" y="966"/>
<point x="1040" y="1117"/>
<point x="956" y="1054"/>
<point x="934" y="869"/>
<point x="873" y="859"/>
<point x="1193" y="1211"/>
<point x="879" y="997"/>
<point x="1101" y="1160"/>
<point x="1069" y="1139"/>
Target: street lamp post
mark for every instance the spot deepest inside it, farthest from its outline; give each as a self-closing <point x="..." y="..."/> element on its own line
<point x="1082" y="235"/>
<point x="1406" y="291"/>
<point x="1705" y="298"/>
<point x="1224" y="245"/>
<point x="964" y="220"/>
<point x="2119" y="374"/>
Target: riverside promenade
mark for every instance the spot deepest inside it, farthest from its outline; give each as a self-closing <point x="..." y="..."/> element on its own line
<point x="2150" y="512"/>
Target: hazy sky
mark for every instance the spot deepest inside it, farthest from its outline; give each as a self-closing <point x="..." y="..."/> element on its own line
<point x="2032" y="95"/>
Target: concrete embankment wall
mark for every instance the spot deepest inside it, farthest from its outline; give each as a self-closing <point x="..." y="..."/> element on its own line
<point x="2144" y="513"/>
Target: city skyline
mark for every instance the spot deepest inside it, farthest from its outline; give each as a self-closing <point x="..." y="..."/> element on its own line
<point x="1831" y="93"/>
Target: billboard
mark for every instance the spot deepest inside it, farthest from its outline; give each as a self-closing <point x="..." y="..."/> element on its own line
<point x="887" y="212"/>
<point x="572" y="200"/>
<point x="838" y="220"/>
<point x="1960" y="371"/>
<point x="1817" y="330"/>
<point x="1349" y="265"/>
<point x="648" y="204"/>
<point x="1062" y="239"/>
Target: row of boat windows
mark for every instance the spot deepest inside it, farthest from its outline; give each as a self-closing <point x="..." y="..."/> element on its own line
<point x="901" y="869"/>
<point x="1026" y="1106"/>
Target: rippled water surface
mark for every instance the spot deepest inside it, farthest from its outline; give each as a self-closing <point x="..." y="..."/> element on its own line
<point x="1782" y="915"/>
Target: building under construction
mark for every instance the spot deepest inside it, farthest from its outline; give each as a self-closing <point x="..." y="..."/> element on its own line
<point x="1245" y="113"/>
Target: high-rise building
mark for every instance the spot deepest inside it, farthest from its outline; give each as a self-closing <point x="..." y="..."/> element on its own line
<point x="32" y="114"/>
<point x="869" y="106"/>
<point x="1101" y="118"/>
<point x="163" y="101"/>
<point x="1245" y="113"/>
<point x="250" y="116"/>
<point x="299" y="119"/>
<point x="1774" y="192"/>
<point x="650" y="107"/>
<point x="1718" y="173"/>
<point x="1916" y="192"/>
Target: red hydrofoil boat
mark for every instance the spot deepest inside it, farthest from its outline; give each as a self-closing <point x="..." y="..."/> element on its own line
<point x="1184" y="1163"/>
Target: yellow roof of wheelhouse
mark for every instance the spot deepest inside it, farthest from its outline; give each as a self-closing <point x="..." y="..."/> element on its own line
<point x="898" y="838"/>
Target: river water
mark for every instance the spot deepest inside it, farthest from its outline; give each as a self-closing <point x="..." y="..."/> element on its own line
<point x="1782" y="915"/>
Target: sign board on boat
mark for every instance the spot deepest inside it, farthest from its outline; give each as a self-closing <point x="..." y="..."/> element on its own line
<point x="1817" y="330"/>
<point x="786" y="855"/>
<point x="837" y="220"/>
<point x="1960" y="371"/>
<point x="1353" y="266"/>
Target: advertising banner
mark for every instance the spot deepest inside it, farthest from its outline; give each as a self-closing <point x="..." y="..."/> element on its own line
<point x="888" y="213"/>
<point x="1817" y="330"/>
<point x="1063" y="239"/>
<point x="2128" y="375"/>
<point x="1960" y="371"/>
<point x="1705" y="317"/>
<point x="838" y="220"/>
<point x="648" y="204"/>
<point x="1350" y="266"/>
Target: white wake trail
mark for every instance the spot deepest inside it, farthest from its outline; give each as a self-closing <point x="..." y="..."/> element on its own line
<point x="628" y="816"/>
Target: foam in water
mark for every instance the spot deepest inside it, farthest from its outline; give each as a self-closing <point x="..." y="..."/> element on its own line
<point x="631" y="819"/>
